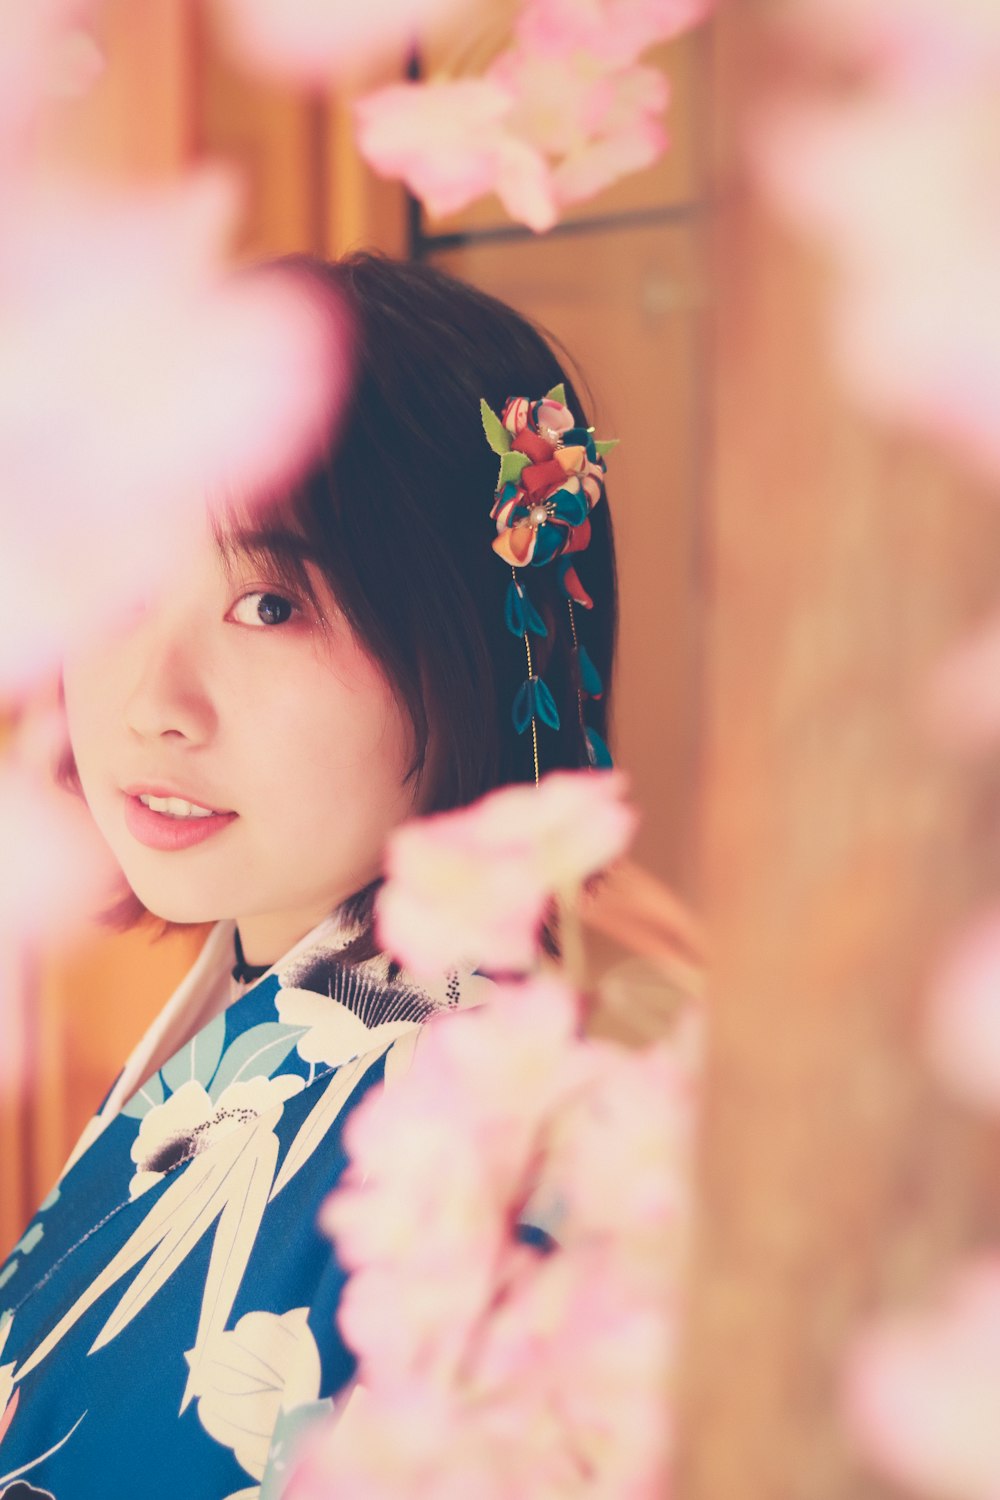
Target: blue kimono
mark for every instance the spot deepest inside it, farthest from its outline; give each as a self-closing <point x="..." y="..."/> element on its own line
<point x="168" y="1323"/>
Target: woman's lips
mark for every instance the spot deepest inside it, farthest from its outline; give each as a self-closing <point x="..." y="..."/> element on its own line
<point x="161" y="789"/>
<point x="161" y="831"/>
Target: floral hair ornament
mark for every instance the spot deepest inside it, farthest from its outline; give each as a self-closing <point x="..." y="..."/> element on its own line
<point x="551" y="477"/>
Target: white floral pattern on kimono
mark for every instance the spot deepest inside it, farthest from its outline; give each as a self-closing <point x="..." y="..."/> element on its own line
<point x="168" y="1317"/>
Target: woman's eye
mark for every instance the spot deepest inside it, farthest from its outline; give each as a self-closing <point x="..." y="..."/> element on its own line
<point x="264" y="609"/>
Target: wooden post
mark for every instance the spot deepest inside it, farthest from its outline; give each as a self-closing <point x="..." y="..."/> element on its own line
<point x="840" y="851"/>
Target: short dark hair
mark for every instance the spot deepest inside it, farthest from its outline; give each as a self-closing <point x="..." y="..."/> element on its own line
<point x="397" y="514"/>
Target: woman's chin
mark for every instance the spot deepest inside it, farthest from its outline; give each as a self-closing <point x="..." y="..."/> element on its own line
<point x="184" y="908"/>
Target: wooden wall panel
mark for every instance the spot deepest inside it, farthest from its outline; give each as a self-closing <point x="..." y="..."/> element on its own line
<point x="631" y="306"/>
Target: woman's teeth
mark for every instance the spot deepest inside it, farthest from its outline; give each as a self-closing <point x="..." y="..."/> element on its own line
<point x="176" y="807"/>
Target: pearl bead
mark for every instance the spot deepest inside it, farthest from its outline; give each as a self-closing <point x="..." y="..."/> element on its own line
<point x="538" y="514"/>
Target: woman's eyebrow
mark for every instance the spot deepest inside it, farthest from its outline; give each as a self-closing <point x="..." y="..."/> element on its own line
<point x="257" y="544"/>
<point x="278" y="540"/>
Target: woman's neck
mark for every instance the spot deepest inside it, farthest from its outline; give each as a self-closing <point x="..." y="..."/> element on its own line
<point x="265" y="939"/>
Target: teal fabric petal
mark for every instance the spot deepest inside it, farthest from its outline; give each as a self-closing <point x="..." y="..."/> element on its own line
<point x="597" y="751"/>
<point x="547" y="543"/>
<point x="571" y="508"/>
<point x="545" y="705"/>
<point x="590" y="678"/>
<point x="524" y="706"/>
<point x="513" y="611"/>
<point x="532" y="618"/>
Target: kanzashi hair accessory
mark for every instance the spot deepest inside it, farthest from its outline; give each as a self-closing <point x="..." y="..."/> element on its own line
<point x="551" y="477"/>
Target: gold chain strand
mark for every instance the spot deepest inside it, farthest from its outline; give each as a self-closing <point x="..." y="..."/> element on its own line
<point x="579" y="692"/>
<point x="531" y="673"/>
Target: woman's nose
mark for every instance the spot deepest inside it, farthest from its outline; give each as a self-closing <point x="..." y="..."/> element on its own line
<point x="166" y="689"/>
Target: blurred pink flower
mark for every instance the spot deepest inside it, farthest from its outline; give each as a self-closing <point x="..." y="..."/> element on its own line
<point x="614" y="31"/>
<point x="962" y="1022"/>
<point x="472" y="885"/>
<point x="900" y="36"/>
<point x="899" y="183"/>
<point x="136" y="381"/>
<point x="558" y="116"/>
<point x="315" y="40"/>
<point x="75" y="64"/>
<point x="960" y="703"/>
<point x="45" y="52"/>
<point x="593" y="123"/>
<point x="645" y="1102"/>
<point x="920" y="1390"/>
<point x="428" y="1238"/>
<point x="512" y="1370"/>
<point x="451" y="141"/>
<point x="53" y="860"/>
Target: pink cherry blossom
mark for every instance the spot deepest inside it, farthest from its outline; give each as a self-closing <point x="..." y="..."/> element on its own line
<point x="45" y="53"/>
<point x="903" y="35"/>
<point x="645" y="1102"/>
<point x="960" y="703"/>
<point x="53" y="860"/>
<point x="920" y="1390"/>
<point x="962" y="1024"/>
<point x="898" y="184"/>
<point x="450" y="141"/>
<point x="76" y="62"/>
<point x="315" y="40"/>
<point x="560" y="114"/>
<point x="54" y="864"/>
<point x="499" y="1369"/>
<point x="473" y="884"/>
<point x="615" y="31"/>
<point x="431" y="1237"/>
<point x="594" y="124"/>
<point x="137" y="381"/>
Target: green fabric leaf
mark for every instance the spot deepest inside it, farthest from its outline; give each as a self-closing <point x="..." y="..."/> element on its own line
<point x="512" y="466"/>
<point x="497" y="435"/>
<point x="557" y="393"/>
<point x="605" y="445"/>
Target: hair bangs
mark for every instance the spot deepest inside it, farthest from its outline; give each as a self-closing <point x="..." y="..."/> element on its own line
<point x="266" y="538"/>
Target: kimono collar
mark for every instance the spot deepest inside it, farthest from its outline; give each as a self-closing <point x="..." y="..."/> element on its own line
<point x="243" y="972"/>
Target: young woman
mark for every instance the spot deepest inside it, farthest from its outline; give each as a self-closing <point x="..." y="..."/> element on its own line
<point x="313" y="675"/>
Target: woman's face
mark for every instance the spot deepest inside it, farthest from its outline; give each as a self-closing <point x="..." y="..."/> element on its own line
<point x="229" y="695"/>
